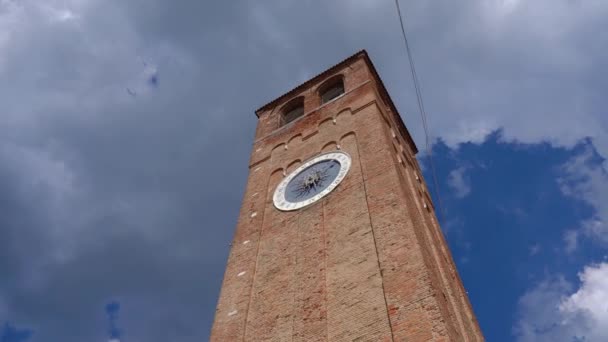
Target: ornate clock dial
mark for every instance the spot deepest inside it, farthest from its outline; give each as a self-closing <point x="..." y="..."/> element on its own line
<point x="311" y="181"/>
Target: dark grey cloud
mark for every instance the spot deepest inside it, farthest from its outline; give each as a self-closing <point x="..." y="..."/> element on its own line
<point x="106" y="196"/>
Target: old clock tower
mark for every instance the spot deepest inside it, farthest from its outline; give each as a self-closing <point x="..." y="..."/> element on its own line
<point x="337" y="238"/>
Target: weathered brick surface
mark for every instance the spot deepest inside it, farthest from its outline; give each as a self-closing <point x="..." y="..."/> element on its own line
<point x="310" y="311"/>
<point x="366" y="263"/>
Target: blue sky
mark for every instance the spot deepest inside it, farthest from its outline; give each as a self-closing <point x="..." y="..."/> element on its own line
<point x="507" y="218"/>
<point x="127" y="125"/>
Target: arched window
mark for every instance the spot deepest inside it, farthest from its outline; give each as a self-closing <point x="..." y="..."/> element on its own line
<point x="332" y="90"/>
<point x="292" y="110"/>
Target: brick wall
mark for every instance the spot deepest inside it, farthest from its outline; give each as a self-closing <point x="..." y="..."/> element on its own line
<point x="368" y="262"/>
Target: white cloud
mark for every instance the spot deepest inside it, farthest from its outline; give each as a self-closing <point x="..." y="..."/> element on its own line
<point x="551" y="312"/>
<point x="459" y="182"/>
<point x="592" y="298"/>
<point x="55" y="13"/>
<point x="501" y="64"/>
<point x="571" y="240"/>
<point x="585" y="178"/>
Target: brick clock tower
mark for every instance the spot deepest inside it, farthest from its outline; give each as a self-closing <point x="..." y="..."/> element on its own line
<point x="337" y="238"/>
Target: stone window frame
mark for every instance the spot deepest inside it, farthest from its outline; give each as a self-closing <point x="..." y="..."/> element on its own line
<point x="329" y="83"/>
<point x="297" y="103"/>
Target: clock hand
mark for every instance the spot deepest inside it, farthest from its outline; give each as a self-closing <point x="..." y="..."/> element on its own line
<point x="329" y="167"/>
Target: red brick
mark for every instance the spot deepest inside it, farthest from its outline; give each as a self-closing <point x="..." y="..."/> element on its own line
<point x="367" y="262"/>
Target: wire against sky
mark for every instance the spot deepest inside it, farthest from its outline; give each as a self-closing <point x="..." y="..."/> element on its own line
<point x="423" y="115"/>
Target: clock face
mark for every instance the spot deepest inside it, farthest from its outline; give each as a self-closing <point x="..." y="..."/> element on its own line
<point x="311" y="181"/>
